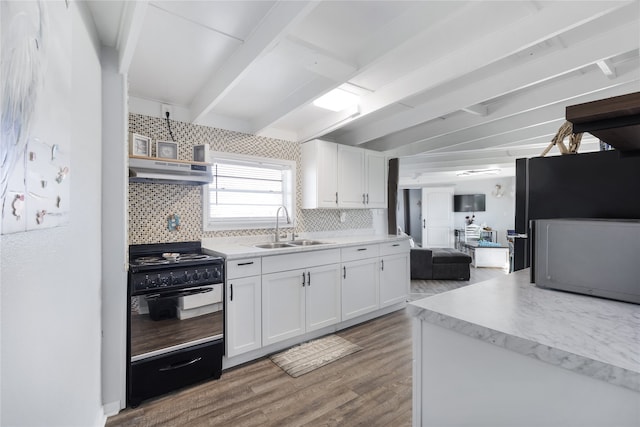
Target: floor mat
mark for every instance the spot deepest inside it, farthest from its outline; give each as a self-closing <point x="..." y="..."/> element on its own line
<point x="306" y="357"/>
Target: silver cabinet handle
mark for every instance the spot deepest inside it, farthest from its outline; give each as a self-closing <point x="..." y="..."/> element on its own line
<point x="424" y="223"/>
<point x="336" y="197"/>
<point x="367" y="198"/>
<point x="308" y="278"/>
<point x="382" y="262"/>
<point x="303" y="279"/>
<point x="231" y="296"/>
<point x="363" y="202"/>
<point x="344" y="272"/>
<point x="244" y="263"/>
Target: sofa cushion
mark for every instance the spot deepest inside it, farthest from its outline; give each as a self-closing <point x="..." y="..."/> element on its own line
<point x="449" y="256"/>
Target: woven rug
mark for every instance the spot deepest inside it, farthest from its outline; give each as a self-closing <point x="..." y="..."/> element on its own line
<point x="306" y="357"/>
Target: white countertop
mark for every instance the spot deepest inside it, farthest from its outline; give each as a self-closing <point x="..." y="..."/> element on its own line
<point x="245" y="247"/>
<point x="592" y="336"/>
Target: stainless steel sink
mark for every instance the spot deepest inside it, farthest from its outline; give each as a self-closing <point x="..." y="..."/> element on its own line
<point x="273" y="245"/>
<point x="306" y="242"/>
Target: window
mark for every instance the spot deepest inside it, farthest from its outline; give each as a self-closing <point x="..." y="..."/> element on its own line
<point x="247" y="191"/>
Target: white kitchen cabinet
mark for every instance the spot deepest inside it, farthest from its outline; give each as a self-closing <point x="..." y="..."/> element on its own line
<point x="360" y="280"/>
<point x="283" y="313"/>
<point x="341" y="176"/>
<point x="375" y="180"/>
<point x="319" y="174"/>
<point x="394" y="272"/>
<point x="299" y="300"/>
<point x="322" y="297"/>
<point x="351" y="177"/>
<point x="394" y="279"/>
<point x="244" y="306"/>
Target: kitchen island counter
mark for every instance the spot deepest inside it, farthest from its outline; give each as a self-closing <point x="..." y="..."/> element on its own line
<point x="515" y="337"/>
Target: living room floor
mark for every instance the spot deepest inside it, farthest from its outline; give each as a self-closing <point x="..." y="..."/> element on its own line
<point x="424" y="288"/>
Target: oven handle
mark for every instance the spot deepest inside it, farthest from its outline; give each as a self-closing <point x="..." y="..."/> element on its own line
<point x="176" y="294"/>
<point x="180" y="365"/>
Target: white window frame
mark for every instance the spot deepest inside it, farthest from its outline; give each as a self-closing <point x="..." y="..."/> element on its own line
<point x="210" y="224"/>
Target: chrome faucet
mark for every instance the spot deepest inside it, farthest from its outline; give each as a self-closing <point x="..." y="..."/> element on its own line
<point x="286" y="212"/>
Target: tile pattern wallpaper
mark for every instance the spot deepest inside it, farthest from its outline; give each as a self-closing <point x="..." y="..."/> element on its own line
<point x="150" y="205"/>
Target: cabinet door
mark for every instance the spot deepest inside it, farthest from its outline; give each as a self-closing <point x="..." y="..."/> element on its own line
<point x="322" y="296"/>
<point x="243" y="315"/>
<point x="283" y="307"/>
<point x="376" y="180"/>
<point x="319" y="174"/>
<point x="394" y="279"/>
<point x="359" y="287"/>
<point x="350" y="177"/>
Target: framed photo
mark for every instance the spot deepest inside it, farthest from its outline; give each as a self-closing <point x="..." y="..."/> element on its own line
<point x="139" y="145"/>
<point x="201" y="153"/>
<point x="167" y="150"/>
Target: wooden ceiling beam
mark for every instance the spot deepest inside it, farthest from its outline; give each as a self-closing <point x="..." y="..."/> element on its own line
<point x="278" y="22"/>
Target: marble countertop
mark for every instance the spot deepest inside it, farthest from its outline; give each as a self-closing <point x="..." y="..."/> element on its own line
<point x="244" y="247"/>
<point x="591" y="336"/>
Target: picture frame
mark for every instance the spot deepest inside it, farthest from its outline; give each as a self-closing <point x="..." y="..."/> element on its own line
<point x="167" y="150"/>
<point x="201" y="153"/>
<point x="139" y="145"/>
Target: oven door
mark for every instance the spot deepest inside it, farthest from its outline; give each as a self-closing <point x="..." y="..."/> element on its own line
<point x="167" y="321"/>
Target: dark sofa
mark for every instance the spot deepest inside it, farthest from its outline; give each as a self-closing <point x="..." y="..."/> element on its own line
<point x="439" y="263"/>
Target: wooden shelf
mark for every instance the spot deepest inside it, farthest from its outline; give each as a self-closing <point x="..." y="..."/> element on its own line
<point x="615" y="120"/>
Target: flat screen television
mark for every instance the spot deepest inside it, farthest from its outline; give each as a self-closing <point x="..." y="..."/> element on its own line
<point x="469" y="203"/>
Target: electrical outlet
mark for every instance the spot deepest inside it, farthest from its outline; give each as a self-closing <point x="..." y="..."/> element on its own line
<point x="164" y="109"/>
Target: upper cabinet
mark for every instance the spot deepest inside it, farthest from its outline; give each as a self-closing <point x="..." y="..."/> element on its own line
<point x="319" y="175"/>
<point x="340" y="176"/>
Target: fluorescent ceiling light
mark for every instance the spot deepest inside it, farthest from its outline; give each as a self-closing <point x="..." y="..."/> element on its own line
<point x="479" y="172"/>
<point x="336" y="100"/>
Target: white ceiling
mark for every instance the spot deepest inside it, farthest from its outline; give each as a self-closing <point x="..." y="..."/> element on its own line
<point x="444" y="85"/>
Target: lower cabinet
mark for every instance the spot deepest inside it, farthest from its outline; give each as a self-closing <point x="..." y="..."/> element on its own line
<point x="270" y="299"/>
<point x="359" y="287"/>
<point x="243" y="313"/>
<point x="299" y="301"/>
<point x="394" y="279"/>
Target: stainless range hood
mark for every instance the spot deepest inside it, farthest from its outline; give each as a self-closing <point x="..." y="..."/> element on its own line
<point x="165" y="171"/>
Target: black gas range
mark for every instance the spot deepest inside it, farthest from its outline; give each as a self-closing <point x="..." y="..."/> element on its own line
<point x="163" y="266"/>
<point x="176" y="318"/>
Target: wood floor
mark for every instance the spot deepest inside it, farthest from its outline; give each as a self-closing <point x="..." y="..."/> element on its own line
<point x="370" y="388"/>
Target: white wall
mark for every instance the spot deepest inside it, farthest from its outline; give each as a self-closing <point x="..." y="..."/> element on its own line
<point x="50" y="317"/>
<point x="114" y="232"/>
<point x="500" y="212"/>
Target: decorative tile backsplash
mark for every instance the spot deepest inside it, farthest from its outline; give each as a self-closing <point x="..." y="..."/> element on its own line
<point x="150" y="205"/>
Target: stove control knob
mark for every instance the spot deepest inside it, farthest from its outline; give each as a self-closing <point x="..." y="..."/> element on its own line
<point x="170" y="279"/>
<point x="147" y="281"/>
<point x="195" y="276"/>
<point x="206" y="274"/>
<point x="185" y="277"/>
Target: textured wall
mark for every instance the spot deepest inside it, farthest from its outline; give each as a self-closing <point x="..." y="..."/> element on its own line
<point x="151" y="204"/>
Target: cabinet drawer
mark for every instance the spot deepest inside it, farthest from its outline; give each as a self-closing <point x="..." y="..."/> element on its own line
<point x="391" y="248"/>
<point x="359" y="252"/>
<point x="244" y="267"/>
<point x="272" y="264"/>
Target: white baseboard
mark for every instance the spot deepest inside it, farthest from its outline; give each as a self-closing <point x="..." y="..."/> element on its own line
<point x="111" y="408"/>
<point x="101" y="418"/>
